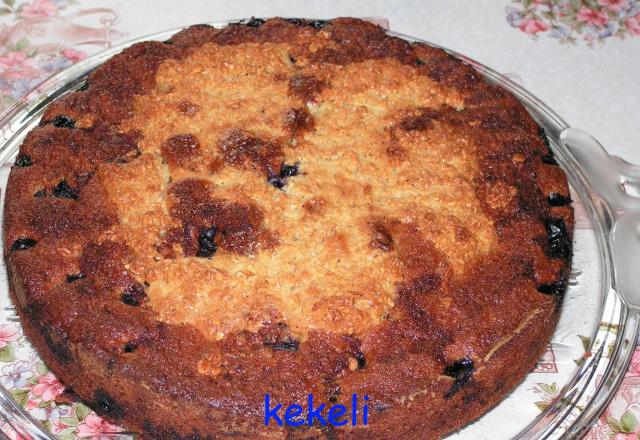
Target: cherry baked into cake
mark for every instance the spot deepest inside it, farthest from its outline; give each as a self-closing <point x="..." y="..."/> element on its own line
<point x="294" y="208"/>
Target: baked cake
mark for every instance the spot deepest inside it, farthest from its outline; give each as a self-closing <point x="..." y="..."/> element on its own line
<point x="287" y="207"/>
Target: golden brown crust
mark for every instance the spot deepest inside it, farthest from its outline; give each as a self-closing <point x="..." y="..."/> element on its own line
<point x="129" y="190"/>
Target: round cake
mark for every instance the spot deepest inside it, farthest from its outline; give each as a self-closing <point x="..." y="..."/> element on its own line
<point x="219" y="231"/>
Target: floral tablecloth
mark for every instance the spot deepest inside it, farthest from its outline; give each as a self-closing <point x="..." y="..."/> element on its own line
<point x="580" y="56"/>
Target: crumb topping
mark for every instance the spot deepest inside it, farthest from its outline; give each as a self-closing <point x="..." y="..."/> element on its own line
<point x="321" y="268"/>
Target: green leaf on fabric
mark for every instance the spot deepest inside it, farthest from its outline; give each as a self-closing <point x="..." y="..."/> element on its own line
<point x="67" y="434"/>
<point x="628" y="422"/>
<point x="41" y="368"/>
<point x="22" y="44"/>
<point x="7" y="354"/>
<point x="551" y="389"/>
<point x="613" y="424"/>
<point x="586" y="342"/>
<point x="82" y="411"/>
<point x="20" y="396"/>
<point x="71" y="421"/>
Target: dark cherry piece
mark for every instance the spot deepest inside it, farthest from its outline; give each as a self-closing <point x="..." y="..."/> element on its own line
<point x="461" y="370"/>
<point x="207" y="246"/>
<point x="107" y="405"/>
<point x="75" y="277"/>
<point x="40" y="193"/>
<point x="362" y="362"/>
<point x="23" y="161"/>
<point x="64" y="191"/>
<point x="333" y="392"/>
<point x="318" y="24"/>
<point x="276" y="181"/>
<point x="555" y="288"/>
<point x="23" y="243"/>
<point x="549" y="158"/>
<point x="62" y="121"/>
<point x="555" y="199"/>
<point x="289" y="170"/>
<point x="134" y="295"/>
<point x="254" y="22"/>
<point x="544" y="137"/>
<point x="559" y="242"/>
<point x="251" y="22"/>
<point x="286" y="171"/>
<point x="287" y="344"/>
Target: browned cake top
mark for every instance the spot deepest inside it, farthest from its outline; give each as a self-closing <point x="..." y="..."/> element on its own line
<point x="313" y="253"/>
<point x="327" y="199"/>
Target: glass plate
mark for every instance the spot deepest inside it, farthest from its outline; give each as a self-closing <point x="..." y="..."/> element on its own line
<point x="571" y="384"/>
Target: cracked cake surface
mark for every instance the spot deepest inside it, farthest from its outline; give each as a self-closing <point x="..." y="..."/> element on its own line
<point x="287" y="207"/>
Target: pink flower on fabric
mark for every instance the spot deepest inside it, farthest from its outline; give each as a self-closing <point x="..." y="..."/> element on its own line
<point x="17" y="65"/>
<point x="94" y="426"/>
<point x="74" y="55"/>
<point x="533" y="26"/>
<point x="32" y="404"/>
<point x="614" y="5"/>
<point x="634" y="366"/>
<point x="633" y="24"/>
<point x="8" y="333"/>
<point x="39" y="8"/>
<point x="12" y="59"/>
<point x="48" y="387"/>
<point x="58" y="426"/>
<point x="592" y="17"/>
